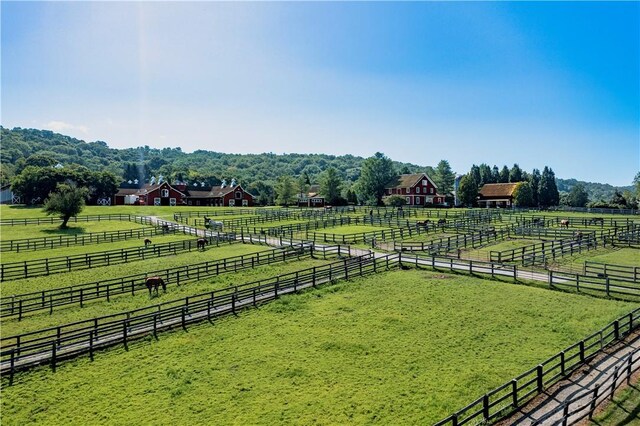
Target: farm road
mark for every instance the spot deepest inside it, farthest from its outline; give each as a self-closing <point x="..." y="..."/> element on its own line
<point x="547" y="408"/>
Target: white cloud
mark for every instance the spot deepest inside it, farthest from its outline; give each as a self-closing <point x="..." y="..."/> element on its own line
<point x="61" y="127"/>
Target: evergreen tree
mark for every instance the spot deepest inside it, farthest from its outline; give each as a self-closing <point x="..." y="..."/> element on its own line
<point x="534" y="181"/>
<point x="475" y="174"/>
<point x="376" y="173"/>
<point x="444" y="177"/>
<point x="515" y="174"/>
<point x="495" y="174"/>
<point x="467" y="191"/>
<point x="548" y="194"/>
<point x="504" y="175"/>
<point x="486" y="176"/>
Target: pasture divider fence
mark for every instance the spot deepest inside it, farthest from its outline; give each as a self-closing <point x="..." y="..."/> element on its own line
<point x="89" y="218"/>
<point x="47" y="266"/>
<point x="449" y="244"/>
<point x="49" y="346"/>
<point x="602" y="270"/>
<point x="513" y="394"/>
<point x="21" y="304"/>
<point x="540" y="253"/>
<point x="30" y="244"/>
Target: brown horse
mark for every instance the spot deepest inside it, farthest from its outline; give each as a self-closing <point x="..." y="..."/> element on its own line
<point x="442" y="221"/>
<point x="154" y="283"/>
<point x="201" y="243"/>
<point x="147" y="241"/>
<point x="565" y="223"/>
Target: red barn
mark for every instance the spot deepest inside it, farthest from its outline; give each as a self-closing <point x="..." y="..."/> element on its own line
<point x="161" y="194"/>
<point x="228" y="196"/>
<point x="418" y="189"/>
<point x="165" y="194"/>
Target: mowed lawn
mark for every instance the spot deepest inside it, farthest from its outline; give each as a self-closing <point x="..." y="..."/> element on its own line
<point x="402" y="347"/>
<point x="17" y="232"/>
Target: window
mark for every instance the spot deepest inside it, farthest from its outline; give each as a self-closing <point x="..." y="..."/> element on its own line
<point x="164" y="193"/>
<point x="156" y="201"/>
<point x="172" y="201"/>
<point x="245" y="203"/>
<point x="432" y="190"/>
<point x="190" y="202"/>
<point x="408" y="199"/>
<point x="232" y="203"/>
<point x="238" y="195"/>
<point x="417" y="189"/>
<point x="406" y="190"/>
<point x="417" y="201"/>
<point x="424" y="182"/>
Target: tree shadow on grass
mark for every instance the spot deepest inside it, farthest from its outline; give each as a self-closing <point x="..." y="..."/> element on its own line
<point x="65" y="232"/>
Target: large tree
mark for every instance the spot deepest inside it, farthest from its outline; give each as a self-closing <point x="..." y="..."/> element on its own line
<point x="523" y="195"/>
<point x="376" y="173"/>
<point x="67" y="201"/>
<point x="548" y="194"/>
<point x="467" y="191"/>
<point x="444" y="177"/>
<point x="476" y="175"/>
<point x="534" y="181"/>
<point x="285" y="191"/>
<point x="504" y="175"/>
<point x="486" y="175"/>
<point x="515" y="174"/>
<point x="578" y="196"/>
<point x="331" y="186"/>
<point x="495" y="174"/>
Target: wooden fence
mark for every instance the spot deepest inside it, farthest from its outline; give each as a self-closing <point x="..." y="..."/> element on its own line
<point x="66" y="341"/>
<point x="453" y="243"/>
<point x="505" y="399"/>
<point x="52" y="265"/>
<point x="536" y="254"/>
<point x="597" y="269"/>
<point x="555" y="233"/>
<point x="75" y="219"/>
<point x="584" y="404"/>
<point x="20" y="304"/>
<point x="30" y="244"/>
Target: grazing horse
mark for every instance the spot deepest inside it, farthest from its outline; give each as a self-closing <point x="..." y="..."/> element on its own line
<point x="424" y="223"/>
<point x="154" y="283"/>
<point x="565" y="223"/>
<point x="537" y="221"/>
<point x="578" y="236"/>
<point x="201" y="243"/>
<point x="442" y="221"/>
<point x="147" y="242"/>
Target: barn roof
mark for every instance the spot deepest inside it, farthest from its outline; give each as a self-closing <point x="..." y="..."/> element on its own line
<point x="198" y="194"/>
<point x="407" y="181"/>
<point x="498" y="189"/>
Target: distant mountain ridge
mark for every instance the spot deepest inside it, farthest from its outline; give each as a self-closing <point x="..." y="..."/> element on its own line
<point x="18" y="144"/>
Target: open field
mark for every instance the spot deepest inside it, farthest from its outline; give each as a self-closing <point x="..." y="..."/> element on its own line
<point x="91" y="248"/>
<point x="53" y="230"/>
<point x="126" y="302"/>
<point x="393" y="348"/>
<point x="152" y="264"/>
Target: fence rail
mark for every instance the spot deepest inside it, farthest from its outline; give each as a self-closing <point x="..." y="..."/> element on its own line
<point x="584" y="404"/>
<point x="535" y="254"/>
<point x="602" y="270"/>
<point x="453" y="243"/>
<point x="53" y="265"/>
<point x="30" y="244"/>
<point x="53" y="344"/>
<point x="21" y="304"/>
<point x="88" y="218"/>
<point x="514" y="393"/>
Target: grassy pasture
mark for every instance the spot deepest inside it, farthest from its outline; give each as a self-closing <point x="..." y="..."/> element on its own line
<point x="403" y="347"/>
<point x="91" y="248"/>
<point x="113" y="271"/>
<point x="623" y="256"/>
<point x="75" y="228"/>
<point x="350" y="229"/>
<point x="125" y="302"/>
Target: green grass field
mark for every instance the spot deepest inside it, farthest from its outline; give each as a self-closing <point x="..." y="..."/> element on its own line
<point x="349" y="229"/>
<point x="624" y="409"/>
<point x="403" y="347"/>
<point x="53" y="230"/>
<point x="113" y="271"/>
<point x="126" y="302"/>
<point x="91" y="248"/>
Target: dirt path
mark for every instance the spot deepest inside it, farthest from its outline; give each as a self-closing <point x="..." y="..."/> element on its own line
<point x="547" y="408"/>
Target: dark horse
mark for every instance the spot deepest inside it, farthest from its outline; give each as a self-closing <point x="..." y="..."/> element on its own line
<point x="424" y="223"/>
<point x="207" y="222"/>
<point x="442" y="221"/>
<point x="147" y="242"/>
<point x="154" y="283"/>
<point x="201" y="243"/>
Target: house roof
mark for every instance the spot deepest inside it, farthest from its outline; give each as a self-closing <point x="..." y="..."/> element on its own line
<point x="407" y="181"/>
<point x="214" y="192"/>
<point x="498" y="189"/>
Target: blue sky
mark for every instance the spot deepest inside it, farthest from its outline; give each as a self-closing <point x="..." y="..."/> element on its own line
<point x="539" y="84"/>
